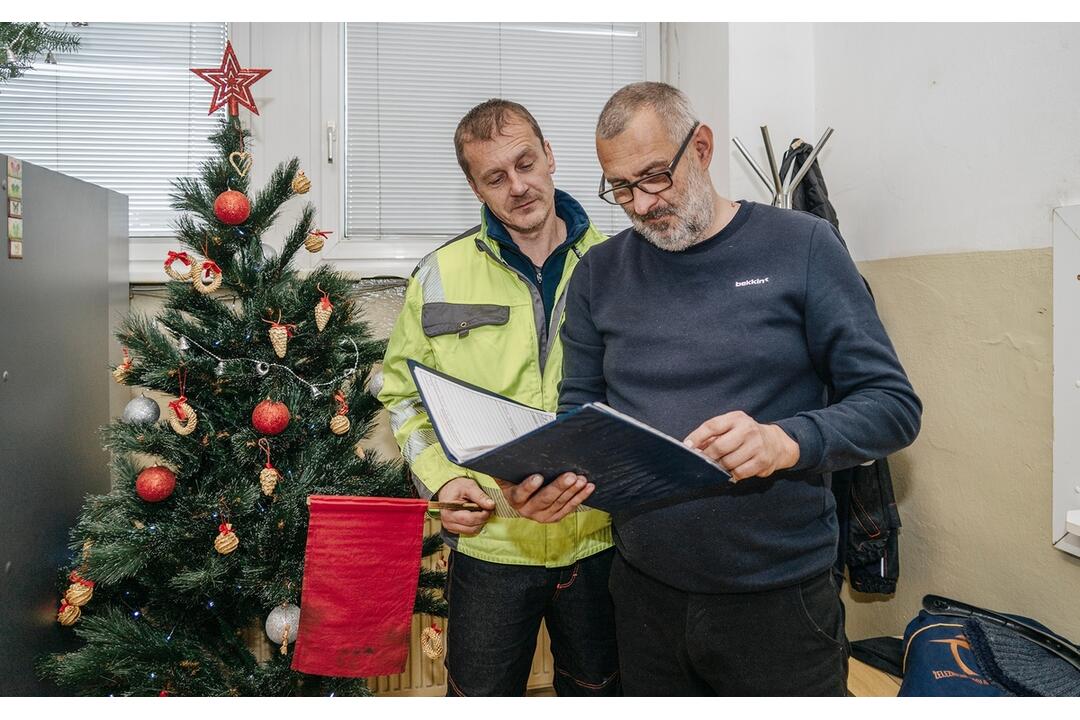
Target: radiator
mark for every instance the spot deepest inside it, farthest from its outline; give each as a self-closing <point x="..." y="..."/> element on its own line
<point x="424" y="677"/>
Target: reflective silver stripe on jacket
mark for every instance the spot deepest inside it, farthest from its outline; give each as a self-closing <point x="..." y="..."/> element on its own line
<point x="402" y="412"/>
<point x="430" y="278"/>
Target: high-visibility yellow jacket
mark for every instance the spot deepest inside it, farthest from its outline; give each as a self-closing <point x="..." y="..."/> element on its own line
<point x="471" y="315"/>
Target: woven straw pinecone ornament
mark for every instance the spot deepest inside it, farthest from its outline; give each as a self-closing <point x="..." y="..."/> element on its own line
<point x="300" y="183"/>
<point x="182" y="418"/>
<point x="279" y="335"/>
<point x="431" y="642"/>
<point x="209" y="269"/>
<point x="226" y="541"/>
<point x="279" y="338"/>
<point x="322" y="316"/>
<point x="269" y="477"/>
<point x="68" y="614"/>
<point x="268" y="480"/>
<point x="323" y="310"/>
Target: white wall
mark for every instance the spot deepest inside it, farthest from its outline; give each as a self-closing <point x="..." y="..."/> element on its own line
<point x="695" y="59"/>
<point x="772" y="83"/>
<point x="949" y="138"/>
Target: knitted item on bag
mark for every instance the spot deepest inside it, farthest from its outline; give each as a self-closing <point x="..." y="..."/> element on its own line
<point x="1019" y="665"/>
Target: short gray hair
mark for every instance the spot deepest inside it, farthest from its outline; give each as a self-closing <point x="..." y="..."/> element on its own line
<point x="669" y="103"/>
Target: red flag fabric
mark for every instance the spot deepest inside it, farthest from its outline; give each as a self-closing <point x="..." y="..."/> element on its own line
<point x="360" y="576"/>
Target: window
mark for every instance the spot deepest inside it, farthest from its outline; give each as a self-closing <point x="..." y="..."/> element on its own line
<point x="408" y="85"/>
<point x="124" y="112"/>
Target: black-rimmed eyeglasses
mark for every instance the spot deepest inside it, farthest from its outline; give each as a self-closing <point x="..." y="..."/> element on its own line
<point x="652" y="183"/>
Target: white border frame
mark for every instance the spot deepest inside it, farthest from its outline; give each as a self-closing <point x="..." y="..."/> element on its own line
<point x="1066" y="274"/>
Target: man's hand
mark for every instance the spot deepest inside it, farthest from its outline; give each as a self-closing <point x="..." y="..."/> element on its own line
<point x="552" y="503"/>
<point x="465" y="522"/>
<point x="744" y="448"/>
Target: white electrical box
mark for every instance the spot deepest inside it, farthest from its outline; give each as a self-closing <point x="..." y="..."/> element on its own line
<point x="1065" y="523"/>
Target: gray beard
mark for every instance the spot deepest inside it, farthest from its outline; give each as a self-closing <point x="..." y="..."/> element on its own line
<point x="688" y="226"/>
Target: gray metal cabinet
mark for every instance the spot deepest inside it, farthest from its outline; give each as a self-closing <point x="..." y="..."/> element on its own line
<point x="58" y="306"/>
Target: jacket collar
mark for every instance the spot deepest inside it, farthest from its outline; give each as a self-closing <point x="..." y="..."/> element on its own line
<point x="494" y="233"/>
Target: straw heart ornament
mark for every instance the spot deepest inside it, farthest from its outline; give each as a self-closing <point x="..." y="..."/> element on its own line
<point x="241" y="162"/>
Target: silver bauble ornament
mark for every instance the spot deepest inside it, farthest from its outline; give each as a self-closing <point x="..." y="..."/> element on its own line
<point x="282" y="624"/>
<point x="262" y="368"/>
<point x="141" y="411"/>
<point x="268" y="255"/>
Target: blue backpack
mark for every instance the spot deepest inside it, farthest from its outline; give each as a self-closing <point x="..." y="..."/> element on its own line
<point x="959" y="650"/>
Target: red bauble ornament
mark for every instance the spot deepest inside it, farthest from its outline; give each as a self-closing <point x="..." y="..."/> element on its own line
<point x="156" y="483"/>
<point x="269" y="417"/>
<point x="232" y="207"/>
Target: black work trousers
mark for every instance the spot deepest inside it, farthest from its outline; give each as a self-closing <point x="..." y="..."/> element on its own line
<point x="786" y="641"/>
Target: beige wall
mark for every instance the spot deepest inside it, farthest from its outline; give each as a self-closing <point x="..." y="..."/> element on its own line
<point x="974" y="332"/>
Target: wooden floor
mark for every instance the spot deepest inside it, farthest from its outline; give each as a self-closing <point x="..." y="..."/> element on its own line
<point x="863" y="681"/>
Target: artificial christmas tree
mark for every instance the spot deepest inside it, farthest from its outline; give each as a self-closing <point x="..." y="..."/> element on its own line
<point x="182" y="570"/>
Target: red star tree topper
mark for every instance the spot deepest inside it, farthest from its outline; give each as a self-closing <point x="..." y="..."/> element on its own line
<point x="232" y="83"/>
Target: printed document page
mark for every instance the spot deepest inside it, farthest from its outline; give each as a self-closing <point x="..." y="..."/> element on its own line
<point x="471" y="422"/>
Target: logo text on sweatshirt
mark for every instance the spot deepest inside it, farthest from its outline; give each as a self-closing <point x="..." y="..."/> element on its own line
<point x="755" y="281"/>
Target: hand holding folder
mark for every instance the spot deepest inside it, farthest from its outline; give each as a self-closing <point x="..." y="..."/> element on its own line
<point x="629" y="462"/>
<point x="547" y="502"/>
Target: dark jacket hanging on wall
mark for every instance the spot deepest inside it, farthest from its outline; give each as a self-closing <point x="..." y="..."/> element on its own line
<point x="865" y="503"/>
<point x="811" y="195"/>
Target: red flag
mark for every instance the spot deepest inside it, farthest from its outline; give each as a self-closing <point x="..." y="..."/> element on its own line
<point x="360" y="576"/>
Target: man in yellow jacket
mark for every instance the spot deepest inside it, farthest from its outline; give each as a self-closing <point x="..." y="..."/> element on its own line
<point x="487" y="308"/>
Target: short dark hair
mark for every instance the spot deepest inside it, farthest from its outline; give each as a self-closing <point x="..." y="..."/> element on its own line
<point x="487" y="120"/>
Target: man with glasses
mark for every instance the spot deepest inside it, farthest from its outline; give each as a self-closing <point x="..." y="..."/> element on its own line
<point x="486" y="308"/>
<point x="727" y="323"/>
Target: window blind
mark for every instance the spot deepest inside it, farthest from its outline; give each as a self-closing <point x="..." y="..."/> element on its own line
<point x="124" y="112"/>
<point x="408" y="85"/>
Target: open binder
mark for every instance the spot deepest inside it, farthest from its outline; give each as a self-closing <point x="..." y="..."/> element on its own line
<point x="629" y="462"/>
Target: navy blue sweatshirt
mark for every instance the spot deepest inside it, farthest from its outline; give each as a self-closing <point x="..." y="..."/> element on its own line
<point x="762" y="317"/>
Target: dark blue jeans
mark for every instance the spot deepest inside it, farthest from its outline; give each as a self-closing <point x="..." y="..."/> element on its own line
<point x="786" y="641"/>
<point x="495" y="614"/>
